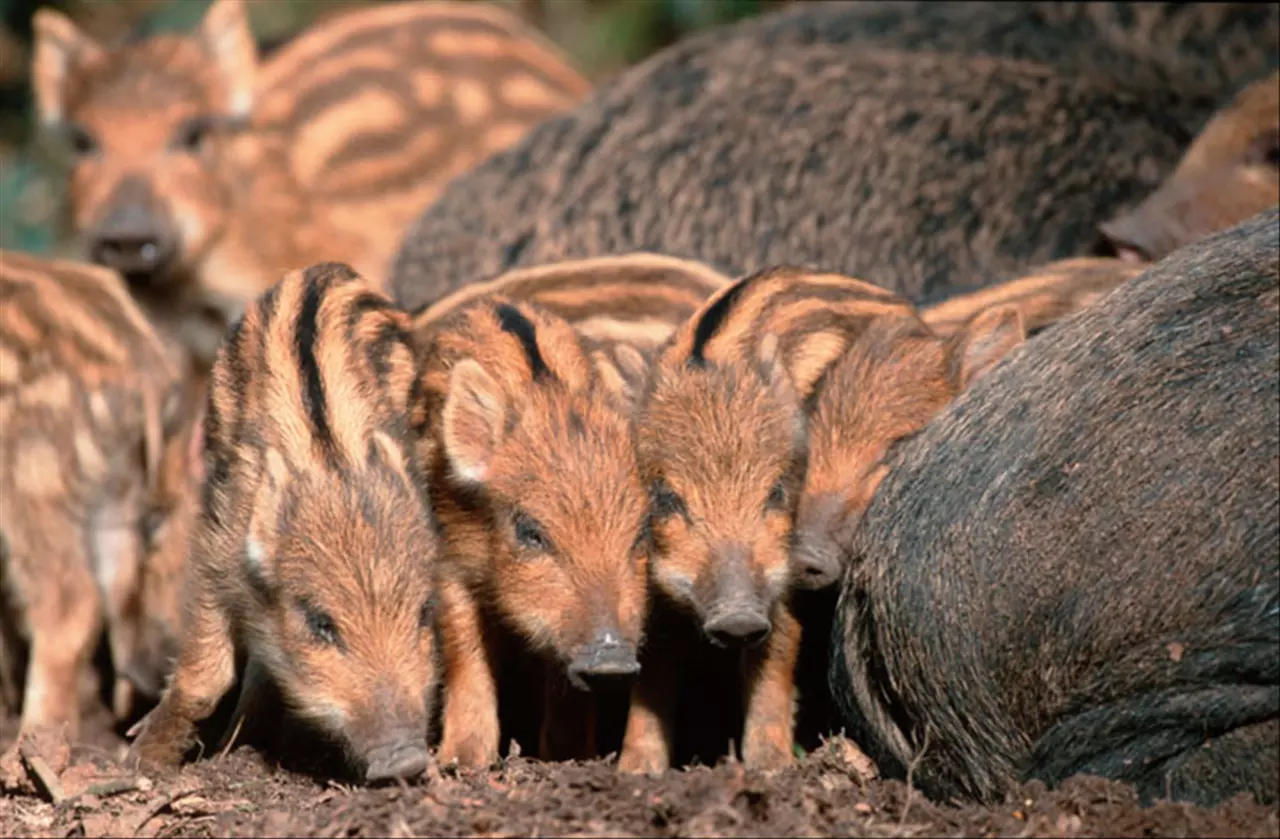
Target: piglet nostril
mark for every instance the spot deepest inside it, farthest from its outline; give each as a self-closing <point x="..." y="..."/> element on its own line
<point x="133" y="254"/>
<point x="607" y="664"/>
<point x="402" y="759"/>
<point x="737" y="629"/>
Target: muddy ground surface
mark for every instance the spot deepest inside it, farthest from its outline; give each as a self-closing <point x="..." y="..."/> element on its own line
<point x="85" y="791"/>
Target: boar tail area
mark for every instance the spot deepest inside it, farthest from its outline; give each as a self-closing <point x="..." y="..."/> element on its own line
<point x="1201" y="725"/>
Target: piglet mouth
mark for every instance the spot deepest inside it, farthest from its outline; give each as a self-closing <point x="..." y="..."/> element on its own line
<point x="737" y="627"/>
<point x="400" y="757"/>
<point x="1114" y="242"/>
<point x="608" y="664"/>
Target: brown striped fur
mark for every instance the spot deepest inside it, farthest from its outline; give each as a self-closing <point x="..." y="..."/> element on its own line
<point x="87" y="395"/>
<point x="536" y="489"/>
<point x="1044" y="296"/>
<point x="736" y="414"/>
<point x="634" y="300"/>
<point x="1230" y="173"/>
<point x="240" y="172"/>
<point x="313" y="554"/>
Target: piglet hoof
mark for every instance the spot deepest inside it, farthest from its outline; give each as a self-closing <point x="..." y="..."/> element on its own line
<point x="160" y="742"/>
<point x="642" y="762"/>
<point x="471" y="753"/>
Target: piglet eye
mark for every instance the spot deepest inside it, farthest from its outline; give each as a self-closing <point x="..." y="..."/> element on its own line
<point x="321" y="625"/>
<point x="152" y="524"/>
<point x="529" y="533"/>
<point x="191" y="135"/>
<point x="666" y="502"/>
<point x="1266" y="149"/>
<point x="81" y="141"/>
<point x="777" y="499"/>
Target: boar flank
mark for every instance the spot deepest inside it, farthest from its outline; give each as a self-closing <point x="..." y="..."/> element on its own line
<point x="1229" y="174"/>
<point x="312" y="557"/>
<point x="203" y="175"/>
<point x="87" y="395"/>
<point x="774" y="141"/>
<point x="1076" y="567"/>
<point x="543" y="515"/>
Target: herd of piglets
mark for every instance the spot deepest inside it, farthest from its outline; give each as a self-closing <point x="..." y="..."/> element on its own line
<point x="907" y="370"/>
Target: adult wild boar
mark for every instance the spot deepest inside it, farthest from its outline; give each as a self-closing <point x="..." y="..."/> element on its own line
<point x="1076" y="568"/>
<point x="797" y="138"/>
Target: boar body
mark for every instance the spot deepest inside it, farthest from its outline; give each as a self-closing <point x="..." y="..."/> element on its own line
<point x="203" y="176"/>
<point x="86" y="389"/>
<point x="312" y="558"/>
<point x="929" y="171"/>
<point x="543" y="516"/>
<point x="1076" y="567"/>
<point x="1201" y="48"/>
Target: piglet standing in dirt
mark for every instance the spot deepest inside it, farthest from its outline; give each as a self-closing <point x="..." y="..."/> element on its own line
<point x="544" y="518"/>
<point x="203" y="174"/>
<point x="87" y="397"/>
<point x="313" y="554"/>
<point x="1076" y="567"/>
<point x="723" y="437"/>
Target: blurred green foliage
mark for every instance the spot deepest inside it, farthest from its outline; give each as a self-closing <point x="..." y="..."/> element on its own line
<point x="601" y="36"/>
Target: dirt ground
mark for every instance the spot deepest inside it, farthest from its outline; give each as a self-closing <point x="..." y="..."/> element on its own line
<point x="84" y="791"/>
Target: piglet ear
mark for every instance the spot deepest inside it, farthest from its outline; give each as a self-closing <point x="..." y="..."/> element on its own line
<point x="473" y="420"/>
<point x="229" y="41"/>
<point x="264" y="521"/>
<point x="773" y="368"/>
<point x="986" y="339"/>
<point x="60" y="48"/>
<point x="623" y="370"/>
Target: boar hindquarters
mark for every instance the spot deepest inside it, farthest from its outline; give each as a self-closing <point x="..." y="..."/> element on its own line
<point x="1076" y="568"/>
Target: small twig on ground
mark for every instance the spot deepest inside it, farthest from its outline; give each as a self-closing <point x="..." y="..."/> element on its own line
<point x="103" y="789"/>
<point x="231" y="738"/>
<point x="46" y="779"/>
<point x="911" y="773"/>
<point x="160" y="806"/>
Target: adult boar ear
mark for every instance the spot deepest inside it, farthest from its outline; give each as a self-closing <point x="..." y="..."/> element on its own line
<point x="986" y="339"/>
<point x="473" y="420"/>
<point x="229" y="41"/>
<point x="59" y="49"/>
<point x="264" y="522"/>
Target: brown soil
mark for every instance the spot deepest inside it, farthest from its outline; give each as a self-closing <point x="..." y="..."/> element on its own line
<point x="244" y="794"/>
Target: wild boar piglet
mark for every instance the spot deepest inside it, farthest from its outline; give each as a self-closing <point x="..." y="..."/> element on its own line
<point x="88" y="404"/>
<point x="534" y="480"/>
<point x="203" y="173"/>
<point x="1230" y="173"/>
<point x="314" y="551"/>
